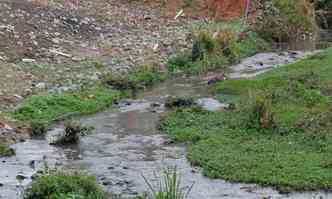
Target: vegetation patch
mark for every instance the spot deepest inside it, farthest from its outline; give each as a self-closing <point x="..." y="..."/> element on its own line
<point x="215" y="46"/>
<point x="60" y="185"/>
<point x="6" y="151"/>
<point x="284" y="20"/>
<point x="40" y="110"/>
<point x="278" y="135"/>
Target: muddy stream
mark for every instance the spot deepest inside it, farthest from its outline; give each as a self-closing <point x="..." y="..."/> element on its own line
<point x="126" y="145"/>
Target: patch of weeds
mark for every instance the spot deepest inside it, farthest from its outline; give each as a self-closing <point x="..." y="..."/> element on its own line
<point x="6" y="151"/>
<point x="215" y="46"/>
<point x="59" y="185"/>
<point x="179" y="102"/>
<point x="258" y="111"/>
<point x="141" y="78"/>
<point x="43" y="109"/>
<point x="278" y="135"/>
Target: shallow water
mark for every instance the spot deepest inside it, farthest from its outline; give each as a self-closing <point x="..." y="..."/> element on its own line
<point x="126" y="145"/>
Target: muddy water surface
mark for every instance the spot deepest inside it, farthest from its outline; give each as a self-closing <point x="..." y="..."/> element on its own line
<point x="126" y="145"/>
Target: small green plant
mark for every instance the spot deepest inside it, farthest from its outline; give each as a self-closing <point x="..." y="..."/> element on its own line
<point x="169" y="186"/>
<point x="64" y="185"/>
<point x="6" y="151"/>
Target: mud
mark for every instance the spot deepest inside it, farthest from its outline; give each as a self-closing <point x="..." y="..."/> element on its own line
<point x="126" y="145"/>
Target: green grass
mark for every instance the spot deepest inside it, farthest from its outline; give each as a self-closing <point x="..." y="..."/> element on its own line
<point x="6" y="151"/>
<point x="43" y="109"/>
<point x="64" y="185"/>
<point x="279" y="135"/>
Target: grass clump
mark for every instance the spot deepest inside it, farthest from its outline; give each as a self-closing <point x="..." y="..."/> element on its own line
<point x="64" y="185"/>
<point x="169" y="186"/>
<point x="216" y="46"/>
<point x="43" y="109"/>
<point x="6" y="151"/>
<point x="278" y="135"/>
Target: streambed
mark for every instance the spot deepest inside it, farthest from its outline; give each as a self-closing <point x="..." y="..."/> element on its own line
<point x="125" y="144"/>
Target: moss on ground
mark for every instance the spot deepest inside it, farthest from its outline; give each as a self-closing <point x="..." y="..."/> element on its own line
<point x="59" y="185"/>
<point x="280" y="133"/>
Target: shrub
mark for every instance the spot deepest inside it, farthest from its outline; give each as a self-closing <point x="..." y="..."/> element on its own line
<point x="64" y="185"/>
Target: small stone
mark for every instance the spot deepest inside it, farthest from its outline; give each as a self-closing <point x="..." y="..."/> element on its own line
<point x="28" y="60"/>
<point x="77" y="59"/>
<point x="21" y="177"/>
<point x="41" y="85"/>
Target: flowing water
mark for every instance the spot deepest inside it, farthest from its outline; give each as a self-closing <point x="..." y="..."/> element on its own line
<point x="126" y="145"/>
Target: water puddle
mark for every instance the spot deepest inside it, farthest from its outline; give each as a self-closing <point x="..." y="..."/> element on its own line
<point x="125" y="145"/>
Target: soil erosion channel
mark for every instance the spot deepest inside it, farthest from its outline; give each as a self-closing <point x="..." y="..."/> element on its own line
<point x="126" y="145"/>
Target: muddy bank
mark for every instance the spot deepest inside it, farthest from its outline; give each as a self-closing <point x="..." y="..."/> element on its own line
<point x="126" y="145"/>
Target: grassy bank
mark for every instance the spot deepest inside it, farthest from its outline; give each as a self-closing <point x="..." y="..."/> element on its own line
<point x="44" y="109"/>
<point x="215" y="46"/>
<point x="278" y="135"/>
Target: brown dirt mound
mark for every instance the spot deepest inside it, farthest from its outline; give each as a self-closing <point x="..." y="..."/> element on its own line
<point x="216" y="9"/>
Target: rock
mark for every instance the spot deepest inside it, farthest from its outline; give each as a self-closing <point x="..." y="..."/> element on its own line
<point x="20" y="177"/>
<point x="106" y="183"/>
<point x="28" y="60"/>
<point x="77" y="59"/>
<point x="211" y="104"/>
<point x="215" y="78"/>
<point x="41" y="85"/>
<point x="177" y="102"/>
